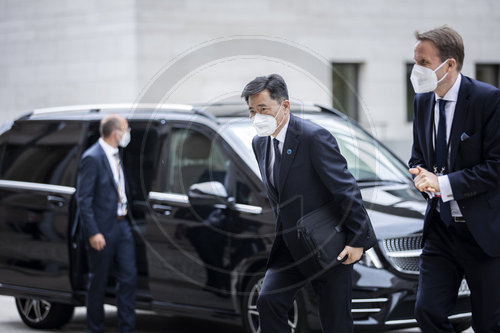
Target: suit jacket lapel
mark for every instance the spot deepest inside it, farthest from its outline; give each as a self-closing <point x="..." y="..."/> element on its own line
<point x="289" y="150"/>
<point x="429" y="130"/>
<point x="107" y="167"/>
<point x="263" y="162"/>
<point x="127" y="188"/>
<point x="458" y="123"/>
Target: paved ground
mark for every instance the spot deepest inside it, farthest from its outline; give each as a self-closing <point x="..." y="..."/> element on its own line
<point x="146" y="322"/>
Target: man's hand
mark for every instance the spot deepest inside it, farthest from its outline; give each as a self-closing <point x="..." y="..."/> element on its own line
<point x="97" y="242"/>
<point x="353" y="254"/>
<point x="425" y="180"/>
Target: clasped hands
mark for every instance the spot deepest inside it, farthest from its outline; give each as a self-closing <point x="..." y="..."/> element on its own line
<point x="425" y="181"/>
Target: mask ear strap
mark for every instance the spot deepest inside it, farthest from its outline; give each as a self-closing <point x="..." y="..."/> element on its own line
<point x="281" y="106"/>
<point x="441" y="79"/>
<point x="444" y="62"/>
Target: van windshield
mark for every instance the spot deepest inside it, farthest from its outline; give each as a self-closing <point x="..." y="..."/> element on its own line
<point x="367" y="159"/>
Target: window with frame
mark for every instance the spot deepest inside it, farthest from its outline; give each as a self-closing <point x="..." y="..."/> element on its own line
<point x="410" y="92"/>
<point x="489" y="73"/>
<point x="345" y="88"/>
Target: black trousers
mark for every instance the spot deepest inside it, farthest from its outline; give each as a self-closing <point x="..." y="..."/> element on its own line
<point x="283" y="280"/>
<point x="119" y="250"/>
<point x="448" y="255"/>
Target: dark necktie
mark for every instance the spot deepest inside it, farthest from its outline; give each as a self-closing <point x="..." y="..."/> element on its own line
<point x="441" y="159"/>
<point x="276" y="166"/>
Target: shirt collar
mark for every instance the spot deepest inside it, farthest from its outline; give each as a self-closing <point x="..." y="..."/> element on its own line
<point x="452" y="94"/>
<point x="282" y="134"/>
<point x="108" y="149"/>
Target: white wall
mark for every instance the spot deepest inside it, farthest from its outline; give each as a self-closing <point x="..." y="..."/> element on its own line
<point x="65" y="52"/>
<point x="78" y="52"/>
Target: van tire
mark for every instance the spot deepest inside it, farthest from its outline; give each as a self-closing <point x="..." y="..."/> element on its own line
<point x="40" y="313"/>
<point x="250" y="315"/>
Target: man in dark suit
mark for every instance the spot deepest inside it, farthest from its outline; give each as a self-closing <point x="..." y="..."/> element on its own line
<point x="303" y="170"/>
<point x="456" y="164"/>
<point x="103" y="206"/>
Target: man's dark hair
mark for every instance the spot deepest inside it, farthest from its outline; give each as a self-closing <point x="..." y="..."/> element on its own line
<point x="274" y="83"/>
<point x="448" y="42"/>
<point x="108" y="125"/>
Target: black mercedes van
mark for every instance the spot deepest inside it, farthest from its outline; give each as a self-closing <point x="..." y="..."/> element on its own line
<point x="202" y="223"/>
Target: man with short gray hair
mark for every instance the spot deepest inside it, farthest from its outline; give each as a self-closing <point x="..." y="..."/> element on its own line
<point x="304" y="172"/>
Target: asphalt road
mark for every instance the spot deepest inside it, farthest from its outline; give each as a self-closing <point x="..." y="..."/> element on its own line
<point x="146" y="322"/>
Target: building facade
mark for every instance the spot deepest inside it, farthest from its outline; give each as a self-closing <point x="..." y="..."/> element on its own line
<point x="65" y="52"/>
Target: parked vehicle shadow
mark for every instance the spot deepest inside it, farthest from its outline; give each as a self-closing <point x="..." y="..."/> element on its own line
<point x="148" y="322"/>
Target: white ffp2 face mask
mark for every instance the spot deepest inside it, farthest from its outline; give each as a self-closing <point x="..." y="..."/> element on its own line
<point x="265" y="124"/>
<point x="425" y="79"/>
<point x="125" y="140"/>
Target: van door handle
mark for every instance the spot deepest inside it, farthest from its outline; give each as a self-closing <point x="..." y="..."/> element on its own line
<point x="163" y="209"/>
<point x="55" y="200"/>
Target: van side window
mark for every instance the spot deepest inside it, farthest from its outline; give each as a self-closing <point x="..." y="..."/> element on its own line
<point x="141" y="158"/>
<point x="193" y="159"/>
<point x="43" y="152"/>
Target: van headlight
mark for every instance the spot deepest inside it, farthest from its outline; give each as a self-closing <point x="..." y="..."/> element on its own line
<point x="370" y="259"/>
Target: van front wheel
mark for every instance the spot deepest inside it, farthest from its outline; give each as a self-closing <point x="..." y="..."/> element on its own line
<point x="296" y="316"/>
<point x="39" y="313"/>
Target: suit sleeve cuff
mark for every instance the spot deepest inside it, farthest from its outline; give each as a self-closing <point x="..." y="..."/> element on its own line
<point x="445" y="188"/>
<point x="356" y="241"/>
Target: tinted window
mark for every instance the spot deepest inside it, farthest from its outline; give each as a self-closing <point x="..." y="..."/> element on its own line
<point x="42" y="152"/>
<point x="366" y="159"/>
<point x="244" y="193"/>
<point x="193" y="159"/>
<point x="142" y="157"/>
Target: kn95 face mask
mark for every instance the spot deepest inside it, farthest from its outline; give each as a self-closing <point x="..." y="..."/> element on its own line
<point x="265" y="124"/>
<point x="425" y="79"/>
<point x="125" y="140"/>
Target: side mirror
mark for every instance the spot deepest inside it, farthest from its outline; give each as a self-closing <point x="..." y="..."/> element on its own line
<point x="208" y="194"/>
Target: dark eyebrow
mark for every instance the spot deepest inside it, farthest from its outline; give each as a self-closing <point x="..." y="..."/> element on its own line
<point x="423" y="59"/>
<point x="260" y="105"/>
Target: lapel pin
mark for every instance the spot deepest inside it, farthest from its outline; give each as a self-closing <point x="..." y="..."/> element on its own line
<point x="289" y="152"/>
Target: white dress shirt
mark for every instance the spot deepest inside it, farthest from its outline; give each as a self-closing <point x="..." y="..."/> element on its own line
<point x="281" y="138"/>
<point x="112" y="155"/>
<point x="444" y="182"/>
